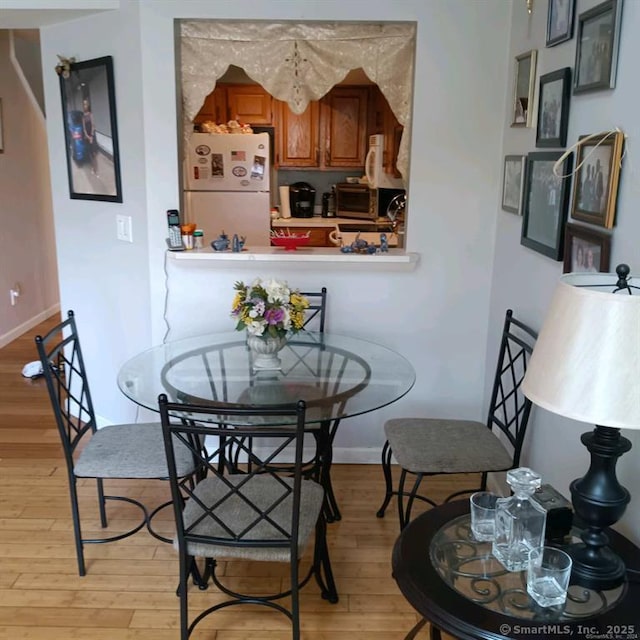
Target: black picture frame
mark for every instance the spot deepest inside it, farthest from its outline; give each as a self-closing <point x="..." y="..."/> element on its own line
<point x="597" y="47"/>
<point x="524" y="86"/>
<point x="554" y="96"/>
<point x="546" y="203"/>
<point x="513" y="183"/>
<point x="560" y="19"/>
<point x="93" y="163"/>
<point x="597" y="175"/>
<point x="586" y="250"/>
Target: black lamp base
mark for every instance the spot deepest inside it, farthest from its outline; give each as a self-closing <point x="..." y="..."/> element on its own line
<point x="604" y="571"/>
<point x="599" y="501"/>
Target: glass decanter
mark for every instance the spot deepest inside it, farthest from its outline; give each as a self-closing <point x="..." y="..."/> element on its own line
<point x="520" y="521"/>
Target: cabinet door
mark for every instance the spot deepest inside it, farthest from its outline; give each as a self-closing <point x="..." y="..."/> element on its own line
<point x="250" y="104"/>
<point x="344" y="114"/>
<point x="298" y="137"/>
<point x="214" y="108"/>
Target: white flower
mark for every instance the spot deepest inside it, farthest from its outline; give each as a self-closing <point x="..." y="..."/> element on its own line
<point x="277" y="291"/>
<point x="256" y="327"/>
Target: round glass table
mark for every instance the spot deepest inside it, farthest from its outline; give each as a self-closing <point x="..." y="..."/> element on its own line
<point x="454" y="581"/>
<point x="337" y="376"/>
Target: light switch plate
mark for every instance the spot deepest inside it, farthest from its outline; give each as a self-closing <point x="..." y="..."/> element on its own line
<point x="124" y="228"/>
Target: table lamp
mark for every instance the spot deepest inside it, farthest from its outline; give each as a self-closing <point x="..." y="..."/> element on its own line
<point x="586" y="366"/>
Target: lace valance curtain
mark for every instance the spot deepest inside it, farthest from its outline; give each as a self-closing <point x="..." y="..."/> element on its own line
<point x="300" y="62"/>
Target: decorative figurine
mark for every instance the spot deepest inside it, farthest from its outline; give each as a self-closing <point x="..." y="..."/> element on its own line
<point x="221" y="243"/>
<point x="237" y="243"/>
<point x="384" y="243"/>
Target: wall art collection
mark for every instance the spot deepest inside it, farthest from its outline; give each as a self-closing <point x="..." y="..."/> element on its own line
<point x="545" y="187"/>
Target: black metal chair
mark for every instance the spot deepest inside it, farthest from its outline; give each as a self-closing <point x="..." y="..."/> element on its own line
<point x="431" y="446"/>
<point x="254" y="513"/>
<point x="123" y="451"/>
<point x="317" y="310"/>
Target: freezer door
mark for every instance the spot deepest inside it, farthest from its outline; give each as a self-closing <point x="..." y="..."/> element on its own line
<point x="228" y="162"/>
<point x="246" y="214"/>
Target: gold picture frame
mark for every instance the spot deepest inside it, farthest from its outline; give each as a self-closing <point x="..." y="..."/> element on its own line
<point x="595" y="185"/>
<point x="524" y="89"/>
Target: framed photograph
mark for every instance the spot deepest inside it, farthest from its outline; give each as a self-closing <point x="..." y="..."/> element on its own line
<point x="553" y="108"/>
<point x="595" y="188"/>
<point x="512" y="183"/>
<point x="91" y="132"/>
<point x="546" y="203"/>
<point x="524" y="88"/>
<point x="560" y="21"/>
<point x="1" y="136"/>
<point x="586" y="250"/>
<point x="597" y="47"/>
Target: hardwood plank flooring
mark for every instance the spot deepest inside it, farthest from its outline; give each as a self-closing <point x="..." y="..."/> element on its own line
<point x="129" y="590"/>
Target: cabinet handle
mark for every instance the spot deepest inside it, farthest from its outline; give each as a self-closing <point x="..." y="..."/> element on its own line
<point x="327" y="160"/>
<point x="317" y="156"/>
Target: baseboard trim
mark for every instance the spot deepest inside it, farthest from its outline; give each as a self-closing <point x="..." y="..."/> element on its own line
<point x="10" y="336"/>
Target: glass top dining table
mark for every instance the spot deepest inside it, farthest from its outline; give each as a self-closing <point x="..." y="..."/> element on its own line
<point x="337" y="376"/>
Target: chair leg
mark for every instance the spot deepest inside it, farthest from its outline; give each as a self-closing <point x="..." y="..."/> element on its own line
<point x="322" y="564"/>
<point x="386" y="470"/>
<point x="295" y="600"/>
<point x="77" y="533"/>
<point x="183" y="588"/>
<point x="404" y="513"/>
<point x="101" y="503"/>
<point x="412" y="498"/>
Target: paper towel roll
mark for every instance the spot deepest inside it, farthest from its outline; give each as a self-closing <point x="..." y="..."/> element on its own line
<point x="285" y="207"/>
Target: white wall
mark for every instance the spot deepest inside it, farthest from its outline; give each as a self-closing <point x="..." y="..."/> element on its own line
<point x="526" y="280"/>
<point x="436" y="315"/>
<point x="105" y="281"/>
<point x="27" y="245"/>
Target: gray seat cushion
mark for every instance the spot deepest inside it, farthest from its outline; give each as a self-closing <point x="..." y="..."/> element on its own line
<point x="262" y="490"/>
<point x="130" y="451"/>
<point x="432" y="445"/>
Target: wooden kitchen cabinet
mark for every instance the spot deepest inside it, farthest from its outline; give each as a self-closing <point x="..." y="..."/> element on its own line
<point x="330" y="134"/>
<point x="298" y="136"/>
<point x="250" y="104"/>
<point x="246" y="103"/>
<point x="214" y="108"/>
<point x="383" y="120"/>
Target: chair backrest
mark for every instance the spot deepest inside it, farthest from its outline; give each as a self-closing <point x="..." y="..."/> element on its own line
<point x="251" y="506"/>
<point x="509" y="409"/>
<point x="315" y="318"/>
<point x="64" y="372"/>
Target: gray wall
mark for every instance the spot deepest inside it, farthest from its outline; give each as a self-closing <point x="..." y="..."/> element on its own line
<point x="525" y="280"/>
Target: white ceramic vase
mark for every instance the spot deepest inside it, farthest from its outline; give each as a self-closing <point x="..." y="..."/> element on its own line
<point x="264" y="351"/>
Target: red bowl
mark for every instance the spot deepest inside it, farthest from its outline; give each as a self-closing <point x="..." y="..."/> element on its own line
<point x="290" y="243"/>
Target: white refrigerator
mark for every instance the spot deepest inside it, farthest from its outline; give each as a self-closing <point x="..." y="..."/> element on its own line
<point x="227" y="186"/>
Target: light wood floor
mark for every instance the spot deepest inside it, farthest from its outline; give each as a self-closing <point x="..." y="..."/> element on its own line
<point x="129" y="590"/>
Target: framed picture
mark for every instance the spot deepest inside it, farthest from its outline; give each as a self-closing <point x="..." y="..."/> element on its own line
<point x="546" y="202"/>
<point x="560" y="21"/>
<point x="524" y="88"/>
<point x="553" y="108"/>
<point x="1" y="136"/>
<point x="597" y="47"/>
<point x="512" y="183"/>
<point x="586" y="250"/>
<point x="91" y="132"/>
<point x="595" y="188"/>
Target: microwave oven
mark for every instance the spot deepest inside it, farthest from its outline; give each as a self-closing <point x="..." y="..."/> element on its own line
<point x="363" y="202"/>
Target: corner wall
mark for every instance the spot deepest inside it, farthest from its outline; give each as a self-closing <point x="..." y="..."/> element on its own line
<point x="525" y="280"/>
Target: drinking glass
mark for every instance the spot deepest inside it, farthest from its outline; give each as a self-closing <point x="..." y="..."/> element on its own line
<point x="548" y="576"/>
<point x="483" y="515"/>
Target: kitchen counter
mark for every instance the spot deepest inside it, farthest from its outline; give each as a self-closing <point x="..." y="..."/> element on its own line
<point x="392" y="260"/>
<point x="318" y="221"/>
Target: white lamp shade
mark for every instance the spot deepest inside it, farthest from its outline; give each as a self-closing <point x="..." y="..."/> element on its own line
<point x="586" y="362"/>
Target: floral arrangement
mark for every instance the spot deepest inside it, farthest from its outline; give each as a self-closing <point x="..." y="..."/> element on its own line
<point x="268" y="308"/>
